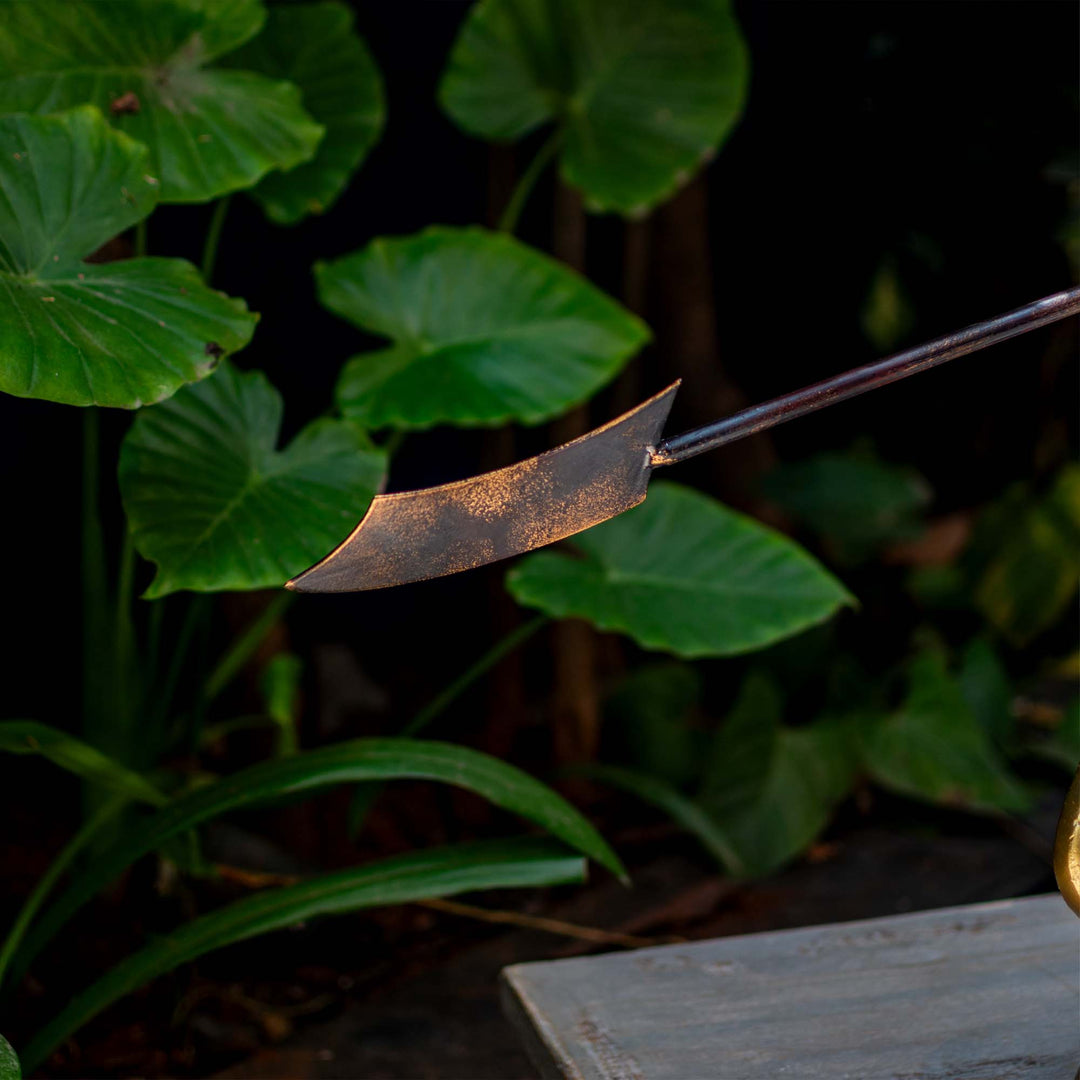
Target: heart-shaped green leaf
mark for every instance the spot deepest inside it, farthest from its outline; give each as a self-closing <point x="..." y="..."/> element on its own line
<point x="484" y="329"/>
<point x="122" y="333"/>
<point x="641" y="90"/>
<point x="934" y="748"/>
<point x="315" y="47"/>
<point x="144" y="63"/>
<point x="684" y="574"/>
<point x="216" y="506"/>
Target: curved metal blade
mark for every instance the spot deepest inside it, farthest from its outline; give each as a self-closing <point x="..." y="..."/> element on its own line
<point x="435" y="531"/>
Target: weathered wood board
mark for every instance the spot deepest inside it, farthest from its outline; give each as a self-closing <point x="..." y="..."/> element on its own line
<point x="985" y="992"/>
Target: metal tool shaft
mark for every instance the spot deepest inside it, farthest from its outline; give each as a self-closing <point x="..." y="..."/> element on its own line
<point x="868" y="377"/>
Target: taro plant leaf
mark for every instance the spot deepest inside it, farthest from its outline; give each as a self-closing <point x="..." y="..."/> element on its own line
<point x="738" y="765"/>
<point x="524" y="863"/>
<point x="315" y="47"/>
<point x="649" y="718"/>
<point x="857" y="504"/>
<point x="683" y="574"/>
<point x="810" y="771"/>
<point x="31" y="737"/>
<point x="120" y="333"/>
<point x="1028" y="553"/>
<point x="484" y="330"/>
<point x="216" y="506"/>
<point x="933" y="748"/>
<point x="985" y="686"/>
<point x="346" y="762"/>
<point x="9" y="1061"/>
<point x="147" y="65"/>
<point x="683" y="811"/>
<point x="640" y="91"/>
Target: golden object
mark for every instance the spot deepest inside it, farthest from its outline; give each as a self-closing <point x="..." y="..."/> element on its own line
<point x="1067" y="847"/>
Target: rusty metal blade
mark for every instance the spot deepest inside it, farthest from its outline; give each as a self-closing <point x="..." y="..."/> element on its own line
<point x="435" y="531"/>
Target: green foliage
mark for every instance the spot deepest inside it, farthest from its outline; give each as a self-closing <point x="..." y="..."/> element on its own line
<point x="856" y="503"/>
<point x="683" y="574"/>
<point x="440" y="872"/>
<point x="9" y="1062"/>
<point x="77" y="757"/>
<point x="887" y="316"/>
<point x="935" y="749"/>
<point x="1026" y="558"/>
<point x="314" y="46"/>
<point x="484" y="329"/>
<point x="639" y="91"/>
<point x="121" y="333"/>
<point x="148" y="65"/>
<point x="212" y="502"/>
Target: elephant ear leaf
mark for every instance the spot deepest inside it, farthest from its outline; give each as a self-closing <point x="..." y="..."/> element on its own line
<point x="315" y="47"/>
<point x="684" y="574"/>
<point x="212" y="501"/>
<point x="640" y="91"/>
<point x="148" y="65"/>
<point x="121" y="333"/>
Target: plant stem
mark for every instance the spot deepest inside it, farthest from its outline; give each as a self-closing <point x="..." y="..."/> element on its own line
<point x="486" y="662"/>
<point x="213" y="236"/>
<point x="140" y="238"/>
<point x="509" y="219"/>
<point x="245" y="645"/>
<point x="365" y="795"/>
<point x="94" y="579"/>
<point x="197" y="610"/>
<point x="125" y="668"/>
<point x="45" y="884"/>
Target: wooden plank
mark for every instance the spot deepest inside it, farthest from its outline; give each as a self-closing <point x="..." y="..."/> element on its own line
<point x="983" y="992"/>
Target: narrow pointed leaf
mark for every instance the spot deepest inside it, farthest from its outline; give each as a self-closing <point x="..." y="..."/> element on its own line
<point x="121" y="333"/>
<point x="683" y="574"/>
<point x="683" y="811"/>
<point x="417" y="876"/>
<point x="484" y="330"/>
<point x="147" y="64"/>
<point x="347" y="762"/>
<point x="641" y="90"/>
<point x="31" y="737"/>
<point x="216" y="506"/>
<point x="315" y="47"/>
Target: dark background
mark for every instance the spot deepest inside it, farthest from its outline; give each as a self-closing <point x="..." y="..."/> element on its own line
<point x="942" y="136"/>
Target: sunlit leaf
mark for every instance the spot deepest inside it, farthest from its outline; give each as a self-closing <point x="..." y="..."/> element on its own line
<point x="31" y="737"/>
<point x="484" y="330"/>
<point x="416" y="876"/>
<point x="315" y="47"/>
<point x="684" y="574"/>
<point x="216" y="506"/>
<point x="933" y="748"/>
<point x="121" y="333"/>
<point x="640" y="90"/>
<point x="346" y="762"/>
<point x="147" y="64"/>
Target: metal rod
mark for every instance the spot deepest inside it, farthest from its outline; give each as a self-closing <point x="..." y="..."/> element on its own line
<point x="868" y="377"/>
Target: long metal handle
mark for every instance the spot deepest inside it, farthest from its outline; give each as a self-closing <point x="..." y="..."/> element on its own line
<point x="868" y="377"/>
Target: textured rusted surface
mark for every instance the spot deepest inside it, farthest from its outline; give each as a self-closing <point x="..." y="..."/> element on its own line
<point x="436" y="531"/>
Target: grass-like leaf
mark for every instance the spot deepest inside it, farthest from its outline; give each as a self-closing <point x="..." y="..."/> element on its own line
<point x="348" y="762"/>
<point x="684" y="574"/>
<point x="31" y="737"/>
<point x="446" y="871"/>
<point x="125" y="333"/>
